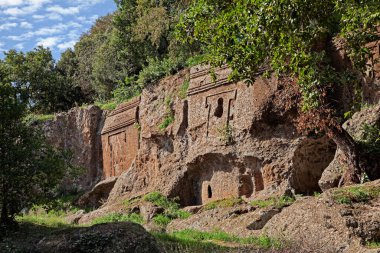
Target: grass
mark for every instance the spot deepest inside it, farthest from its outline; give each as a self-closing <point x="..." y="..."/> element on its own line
<point x="39" y="216"/>
<point x="168" y="120"/>
<point x="108" y="105"/>
<point x="169" y="116"/>
<point x="171" y="207"/>
<point x="222" y="203"/>
<point x="373" y="245"/>
<point x="182" y="94"/>
<point x="117" y="217"/>
<point x="355" y="194"/>
<point x="214" y="238"/>
<point x="277" y="202"/>
<point x="39" y="118"/>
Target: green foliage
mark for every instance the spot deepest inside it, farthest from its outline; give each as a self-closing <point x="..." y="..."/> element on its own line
<point x="168" y="120"/>
<point x="117" y="217"/>
<point x="31" y="170"/>
<point x="183" y="90"/>
<point x="126" y="90"/>
<point x="277" y="202"/>
<point x="36" y="118"/>
<point x="171" y="207"/>
<point x="355" y="194"/>
<point x="195" y="60"/>
<point x="106" y="105"/>
<point x="40" y="216"/>
<point x="225" y="133"/>
<point x="157" y="69"/>
<point x="39" y="81"/>
<point x="190" y="235"/>
<point x="373" y="244"/>
<point x="370" y="139"/>
<point x="169" y="115"/>
<point x="222" y="203"/>
<point x="162" y="220"/>
<point x="286" y="37"/>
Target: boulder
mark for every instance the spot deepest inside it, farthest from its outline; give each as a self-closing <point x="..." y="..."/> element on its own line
<point x="122" y="237"/>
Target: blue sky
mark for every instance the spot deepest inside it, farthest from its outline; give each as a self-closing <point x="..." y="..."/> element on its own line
<point x="25" y="24"/>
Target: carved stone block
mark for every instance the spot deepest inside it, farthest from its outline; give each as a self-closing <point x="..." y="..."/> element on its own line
<point x="120" y="139"/>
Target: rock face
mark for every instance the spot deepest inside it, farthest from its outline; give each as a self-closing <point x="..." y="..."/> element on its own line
<point x="354" y="126"/>
<point x="313" y="224"/>
<point x="226" y="140"/>
<point x="120" y="139"/>
<point x="78" y="131"/>
<point x="104" y="238"/>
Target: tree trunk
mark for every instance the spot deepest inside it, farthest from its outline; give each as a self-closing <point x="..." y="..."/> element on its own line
<point x="348" y="146"/>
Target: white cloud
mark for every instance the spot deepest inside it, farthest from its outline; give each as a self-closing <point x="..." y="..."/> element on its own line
<point x="51" y="16"/>
<point x="7" y="3"/>
<point x="26" y="25"/>
<point x="65" y="45"/>
<point x="46" y="31"/>
<point x="2" y="47"/>
<point x="22" y="8"/>
<point x="19" y="46"/>
<point x="48" y="42"/>
<point x="81" y="3"/>
<point x="7" y="26"/>
<point x="63" y="11"/>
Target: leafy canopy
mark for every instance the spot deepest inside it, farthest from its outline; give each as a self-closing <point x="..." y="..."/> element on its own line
<point x="285" y="36"/>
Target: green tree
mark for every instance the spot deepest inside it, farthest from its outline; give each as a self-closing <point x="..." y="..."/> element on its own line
<point x="45" y="87"/>
<point x="291" y="37"/>
<point x="29" y="168"/>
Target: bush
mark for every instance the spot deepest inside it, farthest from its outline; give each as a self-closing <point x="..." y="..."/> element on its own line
<point x="157" y="69"/>
<point x="126" y="90"/>
<point x="162" y="220"/>
<point x="171" y="207"/>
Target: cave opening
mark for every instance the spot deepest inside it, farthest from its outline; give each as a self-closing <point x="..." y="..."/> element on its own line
<point x="209" y="192"/>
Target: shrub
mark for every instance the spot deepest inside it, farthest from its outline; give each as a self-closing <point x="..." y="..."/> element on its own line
<point x="195" y="60"/>
<point x="172" y="208"/>
<point x="106" y="105"/>
<point x="168" y="120"/>
<point x="157" y="69"/>
<point x="370" y="139"/>
<point x="126" y="90"/>
<point x="162" y="219"/>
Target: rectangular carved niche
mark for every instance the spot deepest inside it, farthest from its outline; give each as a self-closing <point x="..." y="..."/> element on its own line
<point x="220" y="107"/>
<point x="120" y="139"/>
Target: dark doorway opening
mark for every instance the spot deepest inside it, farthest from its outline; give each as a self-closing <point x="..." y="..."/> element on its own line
<point x="209" y="192"/>
<point x="219" y="109"/>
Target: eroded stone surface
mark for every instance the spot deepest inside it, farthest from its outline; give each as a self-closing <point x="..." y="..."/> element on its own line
<point x="78" y="131"/>
<point x="227" y="140"/>
<point x="120" y="139"/>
